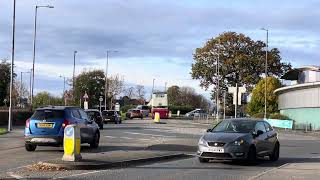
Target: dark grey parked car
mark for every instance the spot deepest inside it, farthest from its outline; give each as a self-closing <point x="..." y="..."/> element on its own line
<point x="239" y="139"/>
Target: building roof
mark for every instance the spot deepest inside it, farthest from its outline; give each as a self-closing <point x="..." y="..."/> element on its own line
<point x="294" y="73"/>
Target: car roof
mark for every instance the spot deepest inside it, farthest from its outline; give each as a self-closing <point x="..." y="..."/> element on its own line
<point x="245" y="119"/>
<point x="55" y="107"/>
<point x="93" y="110"/>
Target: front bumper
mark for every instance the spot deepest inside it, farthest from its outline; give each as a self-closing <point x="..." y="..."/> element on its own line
<point x="230" y="152"/>
<point x="44" y="140"/>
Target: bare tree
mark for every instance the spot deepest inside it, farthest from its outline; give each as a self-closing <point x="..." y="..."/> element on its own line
<point x="130" y="92"/>
<point x="115" y="87"/>
<point x="140" y="91"/>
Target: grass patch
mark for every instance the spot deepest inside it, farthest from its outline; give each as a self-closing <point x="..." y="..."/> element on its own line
<point x="3" y="131"/>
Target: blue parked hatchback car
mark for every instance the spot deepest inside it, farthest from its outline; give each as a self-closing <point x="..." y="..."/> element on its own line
<point x="46" y="127"/>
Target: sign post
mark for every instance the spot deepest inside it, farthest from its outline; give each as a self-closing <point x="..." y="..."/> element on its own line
<point x="71" y="143"/>
<point x="100" y="100"/>
<point x="85" y="103"/>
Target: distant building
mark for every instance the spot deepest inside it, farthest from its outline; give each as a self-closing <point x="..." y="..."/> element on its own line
<point x="300" y="99"/>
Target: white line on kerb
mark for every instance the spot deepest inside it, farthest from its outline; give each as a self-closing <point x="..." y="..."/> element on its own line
<point x="265" y="172"/>
<point x="14" y="175"/>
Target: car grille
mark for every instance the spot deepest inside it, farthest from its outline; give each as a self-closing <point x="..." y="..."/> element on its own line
<point x="216" y="155"/>
<point x="216" y="144"/>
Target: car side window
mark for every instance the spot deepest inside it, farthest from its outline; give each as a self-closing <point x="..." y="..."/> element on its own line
<point x="83" y="115"/>
<point x="260" y="126"/>
<point x="75" y="114"/>
<point x="268" y="127"/>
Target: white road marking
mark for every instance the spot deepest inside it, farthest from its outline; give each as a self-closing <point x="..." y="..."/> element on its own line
<point x="130" y="138"/>
<point x="82" y="174"/>
<point x="267" y="171"/>
<point x="14" y="175"/>
<point x="144" y="134"/>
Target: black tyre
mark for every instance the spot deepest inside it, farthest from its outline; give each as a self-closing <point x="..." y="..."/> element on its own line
<point x="95" y="142"/>
<point x="275" y="154"/>
<point x="30" y="147"/>
<point x="203" y="160"/>
<point x="252" y="155"/>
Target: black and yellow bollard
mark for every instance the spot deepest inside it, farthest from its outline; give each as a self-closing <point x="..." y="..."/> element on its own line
<point x="71" y="143"/>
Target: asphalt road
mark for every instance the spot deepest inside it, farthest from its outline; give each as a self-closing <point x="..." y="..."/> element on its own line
<point x="173" y="136"/>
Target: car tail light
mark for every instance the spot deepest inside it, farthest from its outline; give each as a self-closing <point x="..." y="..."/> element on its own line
<point x="65" y="123"/>
<point x="27" y="123"/>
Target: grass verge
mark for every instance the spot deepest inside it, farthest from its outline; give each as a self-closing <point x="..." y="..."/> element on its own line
<point x="3" y="131"/>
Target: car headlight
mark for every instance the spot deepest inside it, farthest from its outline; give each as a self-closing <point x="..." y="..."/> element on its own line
<point x="202" y="142"/>
<point x="238" y="142"/>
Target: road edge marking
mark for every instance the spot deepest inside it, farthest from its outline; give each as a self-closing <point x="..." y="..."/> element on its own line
<point x="267" y="171"/>
<point x="15" y="176"/>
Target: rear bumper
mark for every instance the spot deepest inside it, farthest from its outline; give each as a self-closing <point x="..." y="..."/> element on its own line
<point x="44" y="140"/>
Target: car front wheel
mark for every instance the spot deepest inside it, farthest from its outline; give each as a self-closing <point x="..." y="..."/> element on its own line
<point x="95" y="142"/>
<point x="275" y="154"/>
<point x="30" y="147"/>
<point x="252" y="155"/>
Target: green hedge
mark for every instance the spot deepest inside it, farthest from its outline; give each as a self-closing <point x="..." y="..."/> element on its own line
<point x="271" y="116"/>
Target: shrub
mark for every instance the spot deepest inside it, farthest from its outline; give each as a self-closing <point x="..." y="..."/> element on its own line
<point x="125" y="108"/>
<point x="278" y="116"/>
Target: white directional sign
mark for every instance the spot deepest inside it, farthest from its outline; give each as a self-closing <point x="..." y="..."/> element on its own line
<point x="233" y="90"/>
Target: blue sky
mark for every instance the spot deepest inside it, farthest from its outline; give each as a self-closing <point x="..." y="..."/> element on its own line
<point x="155" y="39"/>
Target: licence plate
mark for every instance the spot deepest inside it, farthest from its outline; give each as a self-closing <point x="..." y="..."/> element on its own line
<point x="216" y="149"/>
<point x="45" y="125"/>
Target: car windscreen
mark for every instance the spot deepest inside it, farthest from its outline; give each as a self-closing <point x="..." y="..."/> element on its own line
<point x="92" y="114"/>
<point x="244" y="126"/>
<point x="48" y="115"/>
<point x="108" y="113"/>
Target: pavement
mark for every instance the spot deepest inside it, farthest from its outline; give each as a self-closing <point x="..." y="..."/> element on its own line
<point x="141" y="149"/>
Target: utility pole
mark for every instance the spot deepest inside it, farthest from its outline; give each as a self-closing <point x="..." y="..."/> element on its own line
<point x="106" y="89"/>
<point x="34" y="45"/>
<point x="12" y="64"/>
<point x="236" y="105"/>
<point x="266" y="73"/>
<point x="165" y="87"/>
<point x="74" y="72"/>
<point x="224" y="105"/>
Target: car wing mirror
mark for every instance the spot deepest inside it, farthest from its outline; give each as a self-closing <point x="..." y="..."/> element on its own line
<point x="209" y="130"/>
<point x="257" y="133"/>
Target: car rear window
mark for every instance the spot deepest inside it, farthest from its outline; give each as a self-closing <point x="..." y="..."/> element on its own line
<point x="136" y="111"/>
<point x="108" y="113"/>
<point x="48" y="115"/>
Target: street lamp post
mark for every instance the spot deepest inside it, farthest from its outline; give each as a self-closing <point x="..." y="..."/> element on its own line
<point x="21" y="79"/>
<point x="64" y="88"/>
<point x="106" y="89"/>
<point x="266" y="74"/>
<point x="153" y="85"/>
<point x="74" y="71"/>
<point x="34" y="44"/>
<point x="12" y="64"/>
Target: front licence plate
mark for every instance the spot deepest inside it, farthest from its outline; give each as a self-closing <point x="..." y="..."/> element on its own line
<point x="45" y="125"/>
<point x="216" y="149"/>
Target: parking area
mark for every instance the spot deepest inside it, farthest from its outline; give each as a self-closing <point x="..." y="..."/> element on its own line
<point x="143" y="138"/>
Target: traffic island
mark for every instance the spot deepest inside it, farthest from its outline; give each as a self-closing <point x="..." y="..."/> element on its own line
<point x="116" y="159"/>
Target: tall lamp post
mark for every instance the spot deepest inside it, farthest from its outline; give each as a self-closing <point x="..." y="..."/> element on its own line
<point x="12" y="64"/>
<point x="74" y="72"/>
<point x="21" y="79"/>
<point x="106" y="89"/>
<point x="34" y="44"/>
<point x="266" y="73"/>
<point x="64" y="88"/>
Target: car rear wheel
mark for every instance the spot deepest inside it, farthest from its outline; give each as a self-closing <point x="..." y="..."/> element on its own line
<point x="95" y="142"/>
<point x="203" y="160"/>
<point x="30" y="147"/>
<point x="252" y="155"/>
<point x="275" y="154"/>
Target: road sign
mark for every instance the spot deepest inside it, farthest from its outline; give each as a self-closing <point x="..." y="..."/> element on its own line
<point x="233" y="90"/>
<point x="71" y="143"/>
<point x="85" y="96"/>
<point x="100" y="99"/>
<point x="117" y="107"/>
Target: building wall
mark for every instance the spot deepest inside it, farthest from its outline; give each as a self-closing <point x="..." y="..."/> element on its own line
<point x="304" y="117"/>
<point x="301" y="103"/>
